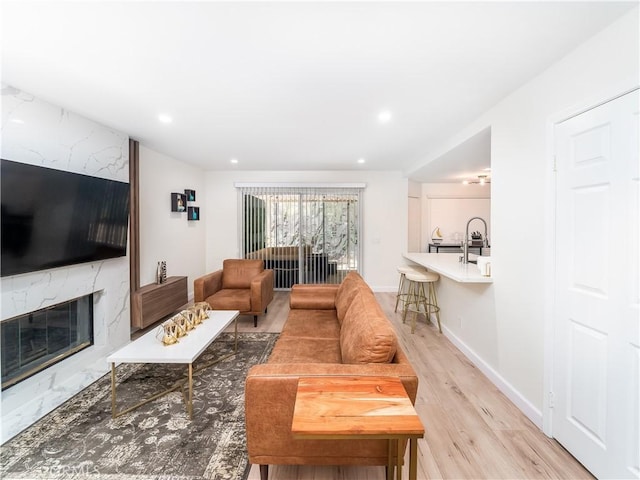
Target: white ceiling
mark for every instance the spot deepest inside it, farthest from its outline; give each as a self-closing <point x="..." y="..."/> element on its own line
<point x="291" y="85"/>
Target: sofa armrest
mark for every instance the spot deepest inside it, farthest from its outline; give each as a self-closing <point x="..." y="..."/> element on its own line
<point x="261" y="291"/>
<point x="313" y="297"/>
<point x="207" y="285"/>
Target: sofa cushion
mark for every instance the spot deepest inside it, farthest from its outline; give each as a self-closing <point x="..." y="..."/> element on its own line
<point x="239" y="273"/>
<point x="313" y="297"/>
<point x="366" y="335"/>
<point x="306" y="350"/>
<point x="347" y="290"/>
<point x="311" y="323"/>
<point x="230" y="299"/>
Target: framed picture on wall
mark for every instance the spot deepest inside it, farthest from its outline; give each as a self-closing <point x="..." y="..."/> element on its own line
<point x="178" y="202"/>
<point x="191" y="195"/>
<point x="193" y="213"/>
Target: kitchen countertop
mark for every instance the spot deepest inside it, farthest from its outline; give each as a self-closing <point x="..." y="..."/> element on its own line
<point x="448" y="265"/>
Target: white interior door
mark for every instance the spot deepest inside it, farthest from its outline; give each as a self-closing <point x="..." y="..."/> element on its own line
<point x="597" y="345"/>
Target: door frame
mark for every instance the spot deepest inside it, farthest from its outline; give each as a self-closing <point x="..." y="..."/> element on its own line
<point x="549" y="243"/>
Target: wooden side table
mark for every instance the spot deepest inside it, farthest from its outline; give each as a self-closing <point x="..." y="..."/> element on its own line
<point x="359" y="408"/>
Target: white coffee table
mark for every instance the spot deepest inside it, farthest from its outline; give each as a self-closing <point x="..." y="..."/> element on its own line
<point x="149" y="349"/>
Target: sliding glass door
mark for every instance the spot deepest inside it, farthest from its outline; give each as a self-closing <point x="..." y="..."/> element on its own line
<point x="306" y="235"/>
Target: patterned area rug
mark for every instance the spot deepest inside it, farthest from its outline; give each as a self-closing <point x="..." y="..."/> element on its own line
<point x="80" y="440"/>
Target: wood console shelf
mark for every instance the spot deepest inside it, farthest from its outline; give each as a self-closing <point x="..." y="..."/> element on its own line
<point x="155" y="301"/>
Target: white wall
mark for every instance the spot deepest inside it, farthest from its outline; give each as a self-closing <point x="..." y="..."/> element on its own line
<point x="385" y="217"/>
<point x="414" y="218"/>
<point x="414" y="189"/>
<point x="166" y="235"/>
<point x="39" y="133"/>
<point x="512" y="323"/>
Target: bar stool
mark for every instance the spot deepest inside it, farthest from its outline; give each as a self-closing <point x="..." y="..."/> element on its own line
<point x="402" y="293"/>
<point x="417" y="297"/>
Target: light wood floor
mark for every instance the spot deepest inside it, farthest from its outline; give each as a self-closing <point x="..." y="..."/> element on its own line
<point x="472" y="430"/>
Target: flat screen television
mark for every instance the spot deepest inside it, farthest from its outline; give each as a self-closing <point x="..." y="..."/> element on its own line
<point x="52" y="218"/>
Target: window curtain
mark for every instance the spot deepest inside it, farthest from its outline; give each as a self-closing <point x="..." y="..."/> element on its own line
<point x="305" y="234"/>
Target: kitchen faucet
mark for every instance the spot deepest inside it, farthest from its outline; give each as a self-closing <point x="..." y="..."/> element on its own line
<point x="465" y="241"/>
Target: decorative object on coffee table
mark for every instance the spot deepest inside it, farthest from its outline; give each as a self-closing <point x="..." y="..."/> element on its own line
<point x="200" y="309"/>
<point x="167" y="333"/>
<point x="179" y="325"/>
<point x="190" y="318"/>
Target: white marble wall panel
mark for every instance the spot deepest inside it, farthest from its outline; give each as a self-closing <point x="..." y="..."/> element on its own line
<point x="36" y="132"/>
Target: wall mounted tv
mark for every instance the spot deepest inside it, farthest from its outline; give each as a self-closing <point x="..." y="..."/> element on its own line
<point x="52" y="218"/>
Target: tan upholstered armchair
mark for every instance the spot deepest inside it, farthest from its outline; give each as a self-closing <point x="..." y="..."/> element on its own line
<point x="242" y="285"/>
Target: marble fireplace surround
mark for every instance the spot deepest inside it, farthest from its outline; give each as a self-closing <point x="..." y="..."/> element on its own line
<point x="39" y="133"/>
<point x="37" y="340"/>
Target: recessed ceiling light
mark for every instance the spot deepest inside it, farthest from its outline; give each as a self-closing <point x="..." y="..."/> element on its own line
<point x="234" y="160"/>
<point x="164" y="118"/>
<point x="384" y="116"/>
<point x="488" y="169"/>
<point x="17" y="120"/>
<point x="361" y="160"/>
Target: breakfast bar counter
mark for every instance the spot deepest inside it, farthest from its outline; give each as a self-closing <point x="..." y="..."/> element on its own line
<point x="449" y="265"/>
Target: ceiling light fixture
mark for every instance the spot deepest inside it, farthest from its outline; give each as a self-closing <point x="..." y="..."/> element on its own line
<point x="234" y="161"/>
<point x="482" y="180"/>
<point x="361" y="160"/>
<point x="384" y="116"/>
<point x="164" y="118"/>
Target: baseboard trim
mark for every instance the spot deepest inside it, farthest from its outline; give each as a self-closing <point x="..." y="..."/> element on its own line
<point x="524" y="405"/>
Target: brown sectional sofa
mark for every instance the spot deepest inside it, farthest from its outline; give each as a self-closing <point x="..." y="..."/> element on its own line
<point x="330" y="330"/>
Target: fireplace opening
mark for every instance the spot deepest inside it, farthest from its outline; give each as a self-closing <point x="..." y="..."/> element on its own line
<point x="37" y="340"/>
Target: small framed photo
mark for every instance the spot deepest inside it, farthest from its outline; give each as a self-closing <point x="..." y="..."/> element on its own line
<point x="191" y="195"/>
<point x="193" y="213"/>
<point x="178" y="202"/>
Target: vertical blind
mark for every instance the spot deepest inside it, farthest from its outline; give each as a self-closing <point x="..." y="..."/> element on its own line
<point x="305" y="234"/>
